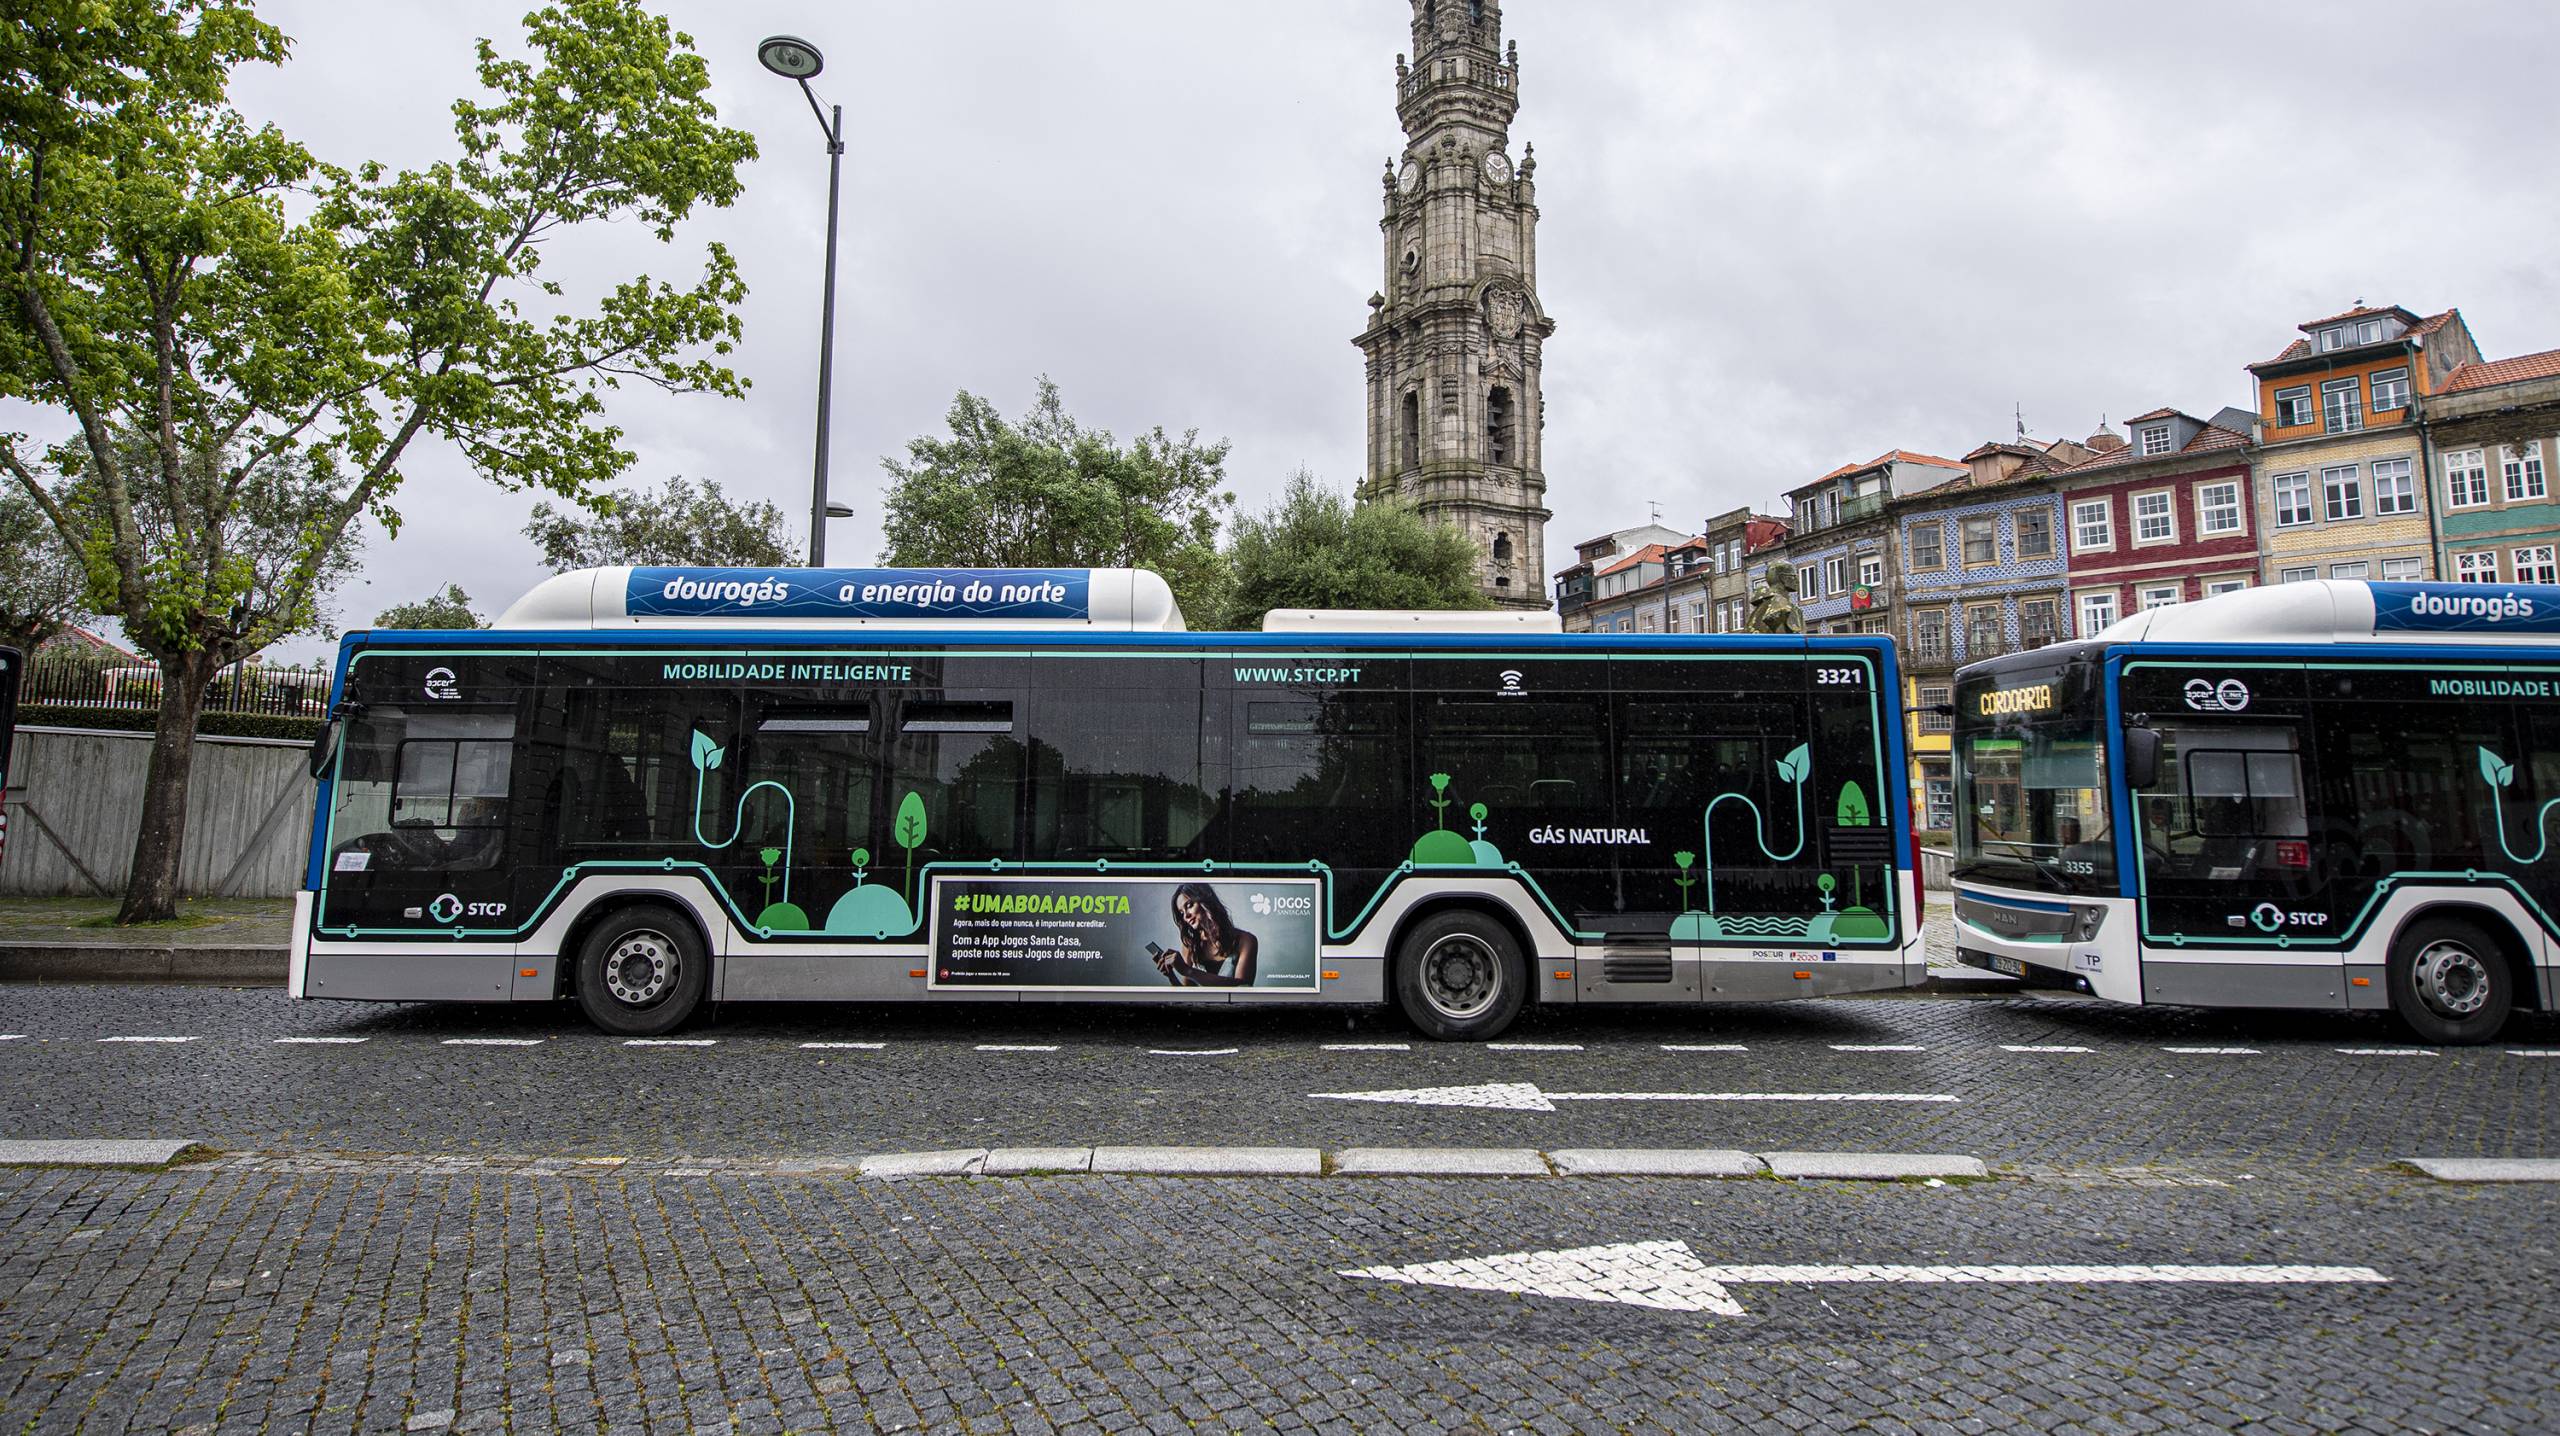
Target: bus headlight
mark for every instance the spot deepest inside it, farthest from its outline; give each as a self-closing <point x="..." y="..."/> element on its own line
<point x="2090" y="920"/>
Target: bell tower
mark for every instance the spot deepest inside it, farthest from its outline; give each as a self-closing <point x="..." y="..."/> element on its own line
<point x="1456" y="335"/>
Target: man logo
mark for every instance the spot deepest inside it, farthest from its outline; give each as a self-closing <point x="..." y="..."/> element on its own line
<point x="1511" y="684"/>
<point x="1260" y="902"/>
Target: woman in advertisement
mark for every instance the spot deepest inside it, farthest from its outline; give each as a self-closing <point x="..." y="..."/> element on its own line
<point x="1214" y="952"/>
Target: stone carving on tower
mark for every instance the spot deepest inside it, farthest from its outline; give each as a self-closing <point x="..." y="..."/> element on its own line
<point x="1456" y="335"/>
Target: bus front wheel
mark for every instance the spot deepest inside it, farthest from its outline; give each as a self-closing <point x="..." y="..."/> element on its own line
<point x="2449" y="983"/>
<point x="642" y="972"/>
<point x="1460" y="976"/>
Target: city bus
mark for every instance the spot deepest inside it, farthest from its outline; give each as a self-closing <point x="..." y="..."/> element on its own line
<point x="2324" y="794"/>
<point x="646" y="789"/>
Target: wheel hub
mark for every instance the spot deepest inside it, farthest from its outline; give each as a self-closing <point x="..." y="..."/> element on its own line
<point x="1460" y="977"/>
<point x="641" y="969"/>
<point x="2451" y="979"/>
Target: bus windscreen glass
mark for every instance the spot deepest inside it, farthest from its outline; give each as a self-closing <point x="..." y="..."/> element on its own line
<point x="2031" y="765"/>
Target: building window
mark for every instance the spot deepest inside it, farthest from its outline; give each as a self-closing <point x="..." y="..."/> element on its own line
<point x="2369" y="332"/>
<point x="2161" y="595"/>
<point x="2304" y="574"/>
<point x="2332" y="339"/>
<point x="2537" y="564"/>
<point x="2155" y="518"/>
<point x="2358" y="569"/>
<point x="2097" y="610"/>
<point x="2293" y="500"/>
<point x="1932" y="699"/>
<point x="2466" y="479"/>
<point x="1929" y="635"/>
<point x="2217" y="586"/>
<point x="1835" y="574"/>
<point x="2480" y="566"/>
<point x="1412" y="430"/>
<point x="1871" y="569"/>
<point x="2401" y="570"/>
<point x="2039" y="621"/>
<point x="2093" y="526"/>
<point x="1928" y="546"/>
<point x="1938" y="794"/>
<point x="1497" y="425"/>
<point x="2523" y="472"/>
<point x="2341" y="493"/>
<point x="2035" y="533"/>
<point x="2390" y="390"/>
<point x="1981" y="541"/>
<point x="2394" y="491"/>
<point x="2293" y="406"/>
<point x="1981" y="631"/>
<point x="2341" y="407"/>
<point x="2155" y="439"/>
<point x="2218" y="509"/>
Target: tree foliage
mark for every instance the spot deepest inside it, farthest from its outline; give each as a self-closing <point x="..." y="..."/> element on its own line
<point x="1316" y="548"/>
<point x="1047" y="493"/>
<point x="449" y="609"/>
<point x="155" y="282"/>
<point x="682" y="523"/>
<point x="41" y="580"/>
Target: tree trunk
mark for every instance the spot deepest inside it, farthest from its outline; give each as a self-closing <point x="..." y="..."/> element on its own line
<point x="151" y="893"/>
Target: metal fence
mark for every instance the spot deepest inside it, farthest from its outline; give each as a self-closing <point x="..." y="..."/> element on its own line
<point x="241" y="688"/>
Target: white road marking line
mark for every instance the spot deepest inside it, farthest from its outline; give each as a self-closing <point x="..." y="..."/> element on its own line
<point x="1667" y="1275"/>
<point x="1704" y="1047"/>
<point x="1013" y="1047"/>
<point x="320" y="1041"/>
<point x="2511" y="1052"/>
<point x="146" y="1039"/>
<point x="1877" y="1047"/>
<point x="671" y="1042"/>
<point x="2388" y="1052"/>
<point x="1528" y="1097"/>
<point x="842" y="1046"/>
<point x="2040" y="1047"/>
<point x="493" y="1042"/>
<point x="1533" y="1047"/>
<point x="2216" y="1051"/>
<point x="1368" y="1047"/>
<point x="1191" y="1052"/>
<point x="12" y="1036"/>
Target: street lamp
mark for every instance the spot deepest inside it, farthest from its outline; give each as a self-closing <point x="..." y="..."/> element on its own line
<point x="796" y="59"/>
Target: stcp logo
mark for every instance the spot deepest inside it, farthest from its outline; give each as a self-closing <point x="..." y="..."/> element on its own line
<point x="445" y="908"/>
<point x="2228" y="696"/>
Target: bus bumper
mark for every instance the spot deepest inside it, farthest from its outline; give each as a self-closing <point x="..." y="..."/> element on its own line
<point x="2079" y="944"/>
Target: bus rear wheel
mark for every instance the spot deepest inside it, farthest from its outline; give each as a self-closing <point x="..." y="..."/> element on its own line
<point x="2449" y="983"/>
<point x="1460" y="977"/>
<point x="642" y="972"/>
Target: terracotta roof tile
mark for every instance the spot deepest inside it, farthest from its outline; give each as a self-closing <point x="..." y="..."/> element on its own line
<point x="2294" y="350"/>
<point x="2544" y="365"/>
<point x="1650" y="553"/>
<point x="2430" y="324"/>
<point x="2361" y="311"/>
<point x="2158" y="414"/>
<point x="2208" y="439"/>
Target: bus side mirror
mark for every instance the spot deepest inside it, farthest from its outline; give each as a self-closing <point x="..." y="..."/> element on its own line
<point x="324" y="749"/>
<point x="2141" y="758"/>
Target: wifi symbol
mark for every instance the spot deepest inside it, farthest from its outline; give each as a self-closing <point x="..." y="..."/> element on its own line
<point x="1511" y="680"/>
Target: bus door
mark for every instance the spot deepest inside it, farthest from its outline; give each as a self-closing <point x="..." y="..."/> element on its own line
<point x="2224" y="822"/>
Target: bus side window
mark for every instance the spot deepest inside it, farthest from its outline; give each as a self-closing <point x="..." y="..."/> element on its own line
<point x="824" y="755"/>
<point x="1116" y="766"/>
<point x="963" y="759"/>
<point x="425" y="790"/>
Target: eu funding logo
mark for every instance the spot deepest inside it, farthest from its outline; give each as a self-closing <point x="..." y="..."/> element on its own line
<point x="2467" y="608"/>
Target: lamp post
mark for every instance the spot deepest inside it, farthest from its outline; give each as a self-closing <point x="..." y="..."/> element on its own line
<point x="796" y="59"/>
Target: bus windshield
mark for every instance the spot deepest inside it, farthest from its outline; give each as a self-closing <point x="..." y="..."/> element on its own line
<point x="2031" y="764"/>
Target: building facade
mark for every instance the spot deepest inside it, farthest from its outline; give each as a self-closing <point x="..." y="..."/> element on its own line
<point x="2493" y="432"/>
<point x="1456" y="338"/>
<point x="1577" y="586"/>
<point x="1840" y="538"/>
<point x="1733" y="539"/>
<point x="2160" y="518"/>
<point x="2341" y="469"/>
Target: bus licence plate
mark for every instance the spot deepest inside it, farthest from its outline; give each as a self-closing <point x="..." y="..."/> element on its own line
<point x="2009" y="965"/>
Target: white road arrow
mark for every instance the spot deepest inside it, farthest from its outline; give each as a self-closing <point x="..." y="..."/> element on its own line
<point x="1527" y="1097"/>
<point x="1667" y="1276"/>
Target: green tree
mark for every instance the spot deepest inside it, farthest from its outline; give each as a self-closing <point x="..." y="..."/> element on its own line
<point x="449" y="609"/>
<point x="42" y="584"/>
<point x="1316" y="548"/>
<point x="682" y="523"/>
<point x="155" y="282"/>
<point x="1048" y="493"/>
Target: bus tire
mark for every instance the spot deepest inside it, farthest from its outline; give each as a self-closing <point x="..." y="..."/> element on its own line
<point x="1460" y="976"/>
<point x="2450" y="983"/>
<point x="642" y="971"/>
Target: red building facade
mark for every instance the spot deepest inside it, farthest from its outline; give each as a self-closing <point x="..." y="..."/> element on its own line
<point x="2165" y="516"/>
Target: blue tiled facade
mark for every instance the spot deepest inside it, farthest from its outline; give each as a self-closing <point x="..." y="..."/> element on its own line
<point x="1954" y="586"/>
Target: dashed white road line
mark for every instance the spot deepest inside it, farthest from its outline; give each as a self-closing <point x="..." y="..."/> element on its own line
<point x="493" y="1042"/>
<point x="12" y="1036"/>
<point x="1704" y="1047"/>
<point x="147" y="1039"/>
<point x="320" y="1041"/>
<point x="1368" y="1047"/>
<point x="1014" y="1047"/>
<point x="1191" y="1052"/>
<point x="2040" y="1047"/>
<point x="1533" y="1047"/>
<point x="671" y="1042"/>
<point x="2215" y="1051"/>
<point x="2511" y="1052"/>
<point x="1877" y="1047"/>
<point x="842" y="1046"/>
<point x="2388" y="1052"/>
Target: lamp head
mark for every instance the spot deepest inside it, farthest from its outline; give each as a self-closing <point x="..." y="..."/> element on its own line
<point x="790" y="57"/>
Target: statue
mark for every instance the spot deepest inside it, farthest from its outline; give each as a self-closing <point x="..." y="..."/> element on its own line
<point x="1773" y="604"/>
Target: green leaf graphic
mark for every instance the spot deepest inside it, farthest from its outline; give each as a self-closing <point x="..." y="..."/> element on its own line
<point x="2498" y="771"/>
<point x="909" y="829"/>
<point x="706" y="754"/>
<point x="1793" y="767"/>
<point x="1852" y="810"/>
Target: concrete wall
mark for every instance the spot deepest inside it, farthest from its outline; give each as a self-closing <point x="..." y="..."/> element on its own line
<point x="75" y="798"/>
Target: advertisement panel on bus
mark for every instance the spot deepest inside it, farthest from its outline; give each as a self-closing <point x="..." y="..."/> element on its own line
<point x="1124" y="934"/>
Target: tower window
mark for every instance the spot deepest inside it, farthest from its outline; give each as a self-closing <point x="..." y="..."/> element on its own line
<point x="1412" y="429"/>
<point x="1502" y="548"/>
<point x="1497" y="426"/>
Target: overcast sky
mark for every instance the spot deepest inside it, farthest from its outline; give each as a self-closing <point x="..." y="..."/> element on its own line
<point x="1775" y="237"/>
